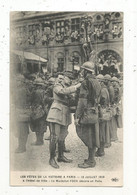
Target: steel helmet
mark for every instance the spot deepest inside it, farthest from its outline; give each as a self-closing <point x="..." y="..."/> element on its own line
<point x="115" y="79"/>
<point x="100" y="77"/>
<point x="51" y="80"/>
<point x="89" y="65"/>
<point x="107" y="77"/>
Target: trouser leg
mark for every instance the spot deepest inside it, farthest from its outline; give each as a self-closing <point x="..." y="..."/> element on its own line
<point x="91" y="153"/>
<point x="22" y="137"/>
<point x="39" y="136"/>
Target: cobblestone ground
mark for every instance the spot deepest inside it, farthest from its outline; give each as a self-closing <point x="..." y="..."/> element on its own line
<point x="36" y="158"/>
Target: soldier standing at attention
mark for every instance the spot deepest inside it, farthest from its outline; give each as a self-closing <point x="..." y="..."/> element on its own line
<point x="104" y="132"/>
<point x="38" y="115"/>
<point x="113" y="122"/>
<point x="59" y="117"/>
<point x="88" y="99"/>
<point x="22" y="110"/>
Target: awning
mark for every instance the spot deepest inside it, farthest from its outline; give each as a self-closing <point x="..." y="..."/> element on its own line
<point x="29" y="55"/>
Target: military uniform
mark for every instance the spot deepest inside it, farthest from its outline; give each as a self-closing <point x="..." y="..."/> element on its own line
<point x="104" y="132"/>
<point x="88" y="133"/>
<point x="59" y="117"/>
<point x="117" y="101"/>
<point x="113" y="122"/>
<point x="22" y="105"/>
<point x="38" y="115"/>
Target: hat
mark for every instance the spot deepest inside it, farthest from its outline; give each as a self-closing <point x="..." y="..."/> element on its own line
<point x="69" y="74"/>
<point x="89" y="65"/>
<point x="39" y="81"/>
<point x="115" y="79"/>
<point x="107" y="77"/>
<point x="100" y="77"/>
<point x="52" y="80"/>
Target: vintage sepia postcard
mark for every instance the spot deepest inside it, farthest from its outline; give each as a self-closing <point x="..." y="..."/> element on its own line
<point x="66" y="98"/>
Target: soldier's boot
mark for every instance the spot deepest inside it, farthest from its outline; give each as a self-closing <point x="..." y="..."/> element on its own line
<point x="61" y="157"/>
<point x="52" y="160"/>
<point x="90" y="162"/>
<point x="100" y="152"/>
<point x="65" y="149"/>
<point x="22" y="141"/>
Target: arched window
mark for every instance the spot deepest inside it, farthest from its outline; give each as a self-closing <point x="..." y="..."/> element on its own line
<point x="76" y="60"/>
<point x="109" y="62"/>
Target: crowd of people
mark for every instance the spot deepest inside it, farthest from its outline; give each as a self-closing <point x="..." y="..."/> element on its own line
<point x="95" y="102"/>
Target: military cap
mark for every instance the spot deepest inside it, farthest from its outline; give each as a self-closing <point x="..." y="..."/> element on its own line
<point x="51" y="80"/>
<point x="58" y="73"/>
<point x="69" y="74"/>
<point x="89" y="65"/>
<point x="100" y="77"/>
<point x="107" y="77"/>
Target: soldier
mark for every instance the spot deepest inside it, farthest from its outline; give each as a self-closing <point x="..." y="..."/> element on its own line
<point x="38" y="115"/>
<point x="113" y="123"/>
<point x="59" y="118"/>
<point x="103" y="122"/>
<point x="117" y="101"/>
<point x="88" y="131"/>
<point x="22" y="104"/>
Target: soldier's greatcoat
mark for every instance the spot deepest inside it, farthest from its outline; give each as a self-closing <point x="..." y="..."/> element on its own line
<point x="104" y="125"/>
<point x="89" y="133"/>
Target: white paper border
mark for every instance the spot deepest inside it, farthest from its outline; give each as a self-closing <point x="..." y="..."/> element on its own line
<point x="130" y="86"/>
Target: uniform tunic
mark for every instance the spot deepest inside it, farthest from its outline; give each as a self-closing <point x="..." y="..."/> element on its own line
<point x="59" y="111"/>
<point x="59" y="115"/>
<point x="113" y="122"/>
<point x="89" y="133"/>
<point x="104" y="125"/>
<point x="38" y="124"/>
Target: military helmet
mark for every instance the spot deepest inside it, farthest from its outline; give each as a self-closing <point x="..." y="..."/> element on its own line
<point x="51" y="80"/>
<point x="89" y="65"/>
<point x="115" y="79"/>
<point x="39" y="81"/>
<point x="100" y="77"/>
<point x="107" y="77"/>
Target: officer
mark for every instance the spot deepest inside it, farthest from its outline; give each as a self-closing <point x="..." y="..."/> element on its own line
<point x="59" y="118"/>
<point x="88" y="98"/>
<point x="103" y="123"/>
<point x="22" y="103"/>
<point x="49" y="97"/>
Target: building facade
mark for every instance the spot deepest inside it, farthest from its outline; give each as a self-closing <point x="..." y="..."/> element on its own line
<point x="67" y="39"/>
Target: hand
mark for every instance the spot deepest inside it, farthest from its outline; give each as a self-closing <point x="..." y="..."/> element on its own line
<point x="78" y="85"/>
<point x="77" y="122"/>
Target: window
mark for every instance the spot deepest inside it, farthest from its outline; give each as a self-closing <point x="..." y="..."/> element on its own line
<point x="60" y="27"/>
<point x="36" y="68"/>
<point x="75" y="25"/>
<point x="60" y="64"/>
<point x="33" y="28"/>
<point x="117" y="30"/>
<point x="20" y="30"/>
